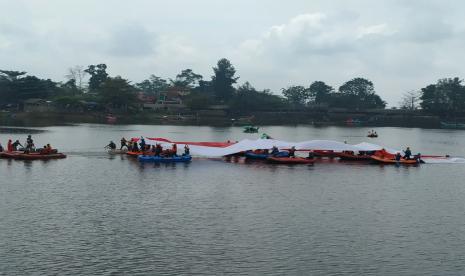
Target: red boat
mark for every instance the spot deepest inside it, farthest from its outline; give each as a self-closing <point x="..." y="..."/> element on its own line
<point x="110" y="119"/>
<point x="290" y="160"/>
<point x="31" y="156"/>
<point x="386" y="160"/>
<point x="353" y="157"/>
<point x="137" y="153"/>
<point x="325" y="153"/>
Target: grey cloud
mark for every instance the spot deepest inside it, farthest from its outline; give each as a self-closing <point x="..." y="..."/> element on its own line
<point x="399" y="44"/>
<point x="131" y="41"/>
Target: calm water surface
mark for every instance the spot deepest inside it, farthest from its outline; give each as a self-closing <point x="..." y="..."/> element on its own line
<point x="95" y="213"/>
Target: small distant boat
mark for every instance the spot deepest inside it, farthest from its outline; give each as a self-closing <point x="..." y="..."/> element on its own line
<point x="372" y="135"/>
<point x="290" y="160"/>
<point x="450" y="125"/>
<point x="251" y="129"/>
<point x="111" y="119"/>
<point x="159" y="159"/>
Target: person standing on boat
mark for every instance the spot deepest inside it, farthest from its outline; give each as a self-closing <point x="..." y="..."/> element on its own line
<point x="124" y="143"/>
<point x="29" y="143"/>
<point x="407" y="153"/>
<point x="9" y="145"/>
<point x="142" y="143"/>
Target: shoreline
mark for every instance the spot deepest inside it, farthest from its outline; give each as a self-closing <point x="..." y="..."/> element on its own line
<point x="317" y="119"/>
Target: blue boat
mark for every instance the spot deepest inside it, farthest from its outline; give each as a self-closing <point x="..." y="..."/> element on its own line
<point x="264" y="156"/>
<point x="159" y="159"/>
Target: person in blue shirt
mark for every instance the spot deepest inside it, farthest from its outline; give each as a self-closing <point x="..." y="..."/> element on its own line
<point x="407" y="153"/>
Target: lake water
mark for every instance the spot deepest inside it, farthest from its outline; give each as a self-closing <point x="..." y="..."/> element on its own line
<point x="95" y="213"/>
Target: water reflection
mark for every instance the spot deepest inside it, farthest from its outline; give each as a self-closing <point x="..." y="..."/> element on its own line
<point x="98" y="214"/>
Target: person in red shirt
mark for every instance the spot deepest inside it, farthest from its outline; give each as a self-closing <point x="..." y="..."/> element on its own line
<point x="174" y="150"/>
<point x="9" y="146"/>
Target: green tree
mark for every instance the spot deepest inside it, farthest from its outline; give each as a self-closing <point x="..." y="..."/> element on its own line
<point x="359" y="93"/>
<point x="296" y="95"/>
<point x="247" y="98"/>
<point x="153" y="85"/>
<point x="201" y="96"/>
<point x="445" y="97"/>
<point x="223" y="80"/>
<point x="187" y="78"/>
<point x="430" y="100"/>
<point x="16" y="87"/>
<point x="118" y="93"/>
<point x="98" y="75"/>
<point x="70" y="88"/>
<point x="11" y="75"/>
<point x="320" y="92"/>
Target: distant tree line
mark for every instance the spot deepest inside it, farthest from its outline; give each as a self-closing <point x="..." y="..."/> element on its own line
<point x="446" y="97"/>
<point x="357" y="94"/>
<point x="94" y="84"/>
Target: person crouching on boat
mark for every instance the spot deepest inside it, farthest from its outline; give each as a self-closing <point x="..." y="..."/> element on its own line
<point x="274" y="150"/>
<point x="407" y="153"/>
<point x="44" y="150"/>
<point x="417" y="157"/>
<point x="187" y="150"/>
<point x="398" y="156"/>
<point x="311" y="154"/>
<point x="292" y="152"/>
<point x="111" y="145"/>
<point x="16" y="144"/>
<point x="47" y="149"/>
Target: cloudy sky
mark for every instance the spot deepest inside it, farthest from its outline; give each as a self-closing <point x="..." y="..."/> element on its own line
<point x="399" y="45"/>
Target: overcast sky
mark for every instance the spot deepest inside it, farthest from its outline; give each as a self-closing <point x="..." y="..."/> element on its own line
<point x="399" y="45"/>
